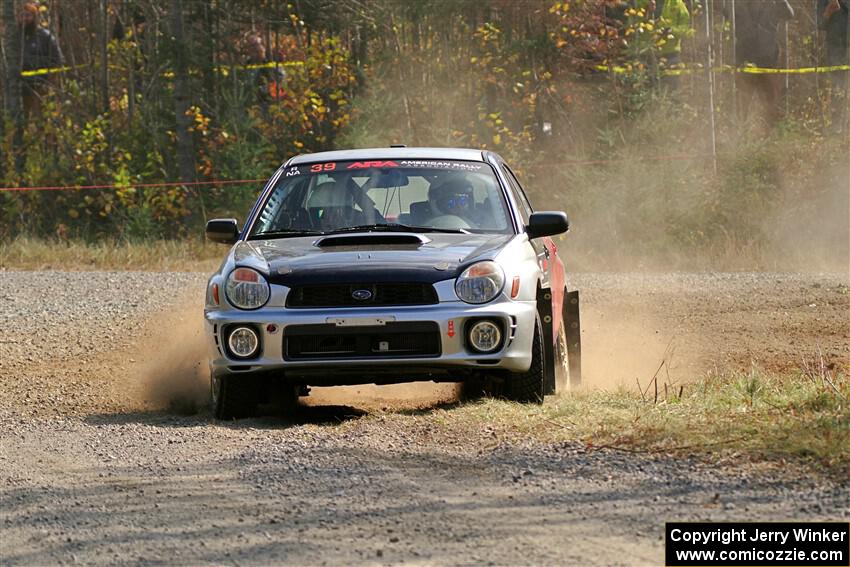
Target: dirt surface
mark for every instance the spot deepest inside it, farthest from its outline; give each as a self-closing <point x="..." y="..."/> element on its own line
<point x="106" y="459"/>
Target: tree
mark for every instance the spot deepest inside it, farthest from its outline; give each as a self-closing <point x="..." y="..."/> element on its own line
<point x="12" y="79"/>
<point x="185" y="149"/>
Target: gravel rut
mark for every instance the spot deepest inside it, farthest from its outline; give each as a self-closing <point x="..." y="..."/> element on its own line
<point x="93" y="470"/>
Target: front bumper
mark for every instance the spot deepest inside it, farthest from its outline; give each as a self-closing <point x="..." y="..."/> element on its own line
<point x="517" y="319"/>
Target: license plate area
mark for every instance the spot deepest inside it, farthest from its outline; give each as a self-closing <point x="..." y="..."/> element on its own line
<point x="360" y="321"/>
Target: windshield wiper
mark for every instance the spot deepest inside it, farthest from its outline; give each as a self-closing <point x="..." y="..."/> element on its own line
<point x="283" y="233"/>
<point x="390" y="226"/>
<point x="395" y="227"/>
<point x="437" y="229"/>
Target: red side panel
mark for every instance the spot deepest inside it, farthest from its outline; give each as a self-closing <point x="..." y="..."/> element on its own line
<point x="557" y="281"/>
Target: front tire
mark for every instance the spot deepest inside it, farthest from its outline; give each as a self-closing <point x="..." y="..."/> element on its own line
<point x="472" y="389"/>
<point x="528" y="387"/>
<point x="233" y="396"/>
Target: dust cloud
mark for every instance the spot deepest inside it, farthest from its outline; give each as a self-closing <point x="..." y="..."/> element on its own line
<point x="624" y="345"/>
<point x="415" y="395"/>
<point x="810" y="230"/>
<point x="172" y="373"/>
<point x="663" y="217"/>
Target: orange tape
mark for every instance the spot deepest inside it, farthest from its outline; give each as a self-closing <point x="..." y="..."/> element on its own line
<point x="133" y="185"/>
<point x="242" y="181"/>
<point x="604" y="161"/>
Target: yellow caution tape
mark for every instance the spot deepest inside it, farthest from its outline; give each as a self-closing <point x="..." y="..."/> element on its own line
<point x="799" y="70"/>
<point x="47" y="71"/>
<point x="728" y="68"/>
<point x="270" y="65"/>
<point x="223" y="69"/>
<point x="669" y="72"/>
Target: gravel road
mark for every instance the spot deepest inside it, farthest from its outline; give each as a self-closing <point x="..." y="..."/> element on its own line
<point x="94" y="471"/>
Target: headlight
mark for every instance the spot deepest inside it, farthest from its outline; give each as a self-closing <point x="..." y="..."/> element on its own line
<point x="480" y="282"/>
<point x="247" y="288"/>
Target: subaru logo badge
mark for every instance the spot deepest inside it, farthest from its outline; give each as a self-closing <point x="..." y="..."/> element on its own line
<point x="361" y="294"/>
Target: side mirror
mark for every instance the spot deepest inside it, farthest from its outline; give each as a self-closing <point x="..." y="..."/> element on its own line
<point x="548" y="223"/>
<point x="224" y="231"/>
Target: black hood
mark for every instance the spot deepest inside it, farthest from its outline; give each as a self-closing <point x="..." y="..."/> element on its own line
<point x="378" y="258"/>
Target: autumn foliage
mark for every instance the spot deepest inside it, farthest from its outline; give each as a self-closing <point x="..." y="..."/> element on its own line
<point x="541" y="82"/>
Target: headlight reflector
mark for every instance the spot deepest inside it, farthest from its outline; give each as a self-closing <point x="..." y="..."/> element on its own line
<point x="485" y="336"/>
<point x="480" y="282"/>
<point x="243" y="342"/>
<point x="247" y="288"/>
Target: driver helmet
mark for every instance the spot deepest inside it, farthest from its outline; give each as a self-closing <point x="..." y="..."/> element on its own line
<point x="453" y="197"/>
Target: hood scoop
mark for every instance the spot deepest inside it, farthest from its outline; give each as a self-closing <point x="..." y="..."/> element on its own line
<point x="372" y="239"/>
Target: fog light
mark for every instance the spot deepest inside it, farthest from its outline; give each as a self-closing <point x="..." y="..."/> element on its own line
<point x="485" y="336"/>
<point x="243" y="342"/>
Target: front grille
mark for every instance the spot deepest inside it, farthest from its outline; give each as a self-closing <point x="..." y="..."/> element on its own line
<point x="379" y="294"/>
<point x="393" y="340"/>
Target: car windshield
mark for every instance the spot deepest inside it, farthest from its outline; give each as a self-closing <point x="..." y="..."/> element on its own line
<point x="450" y="196"/>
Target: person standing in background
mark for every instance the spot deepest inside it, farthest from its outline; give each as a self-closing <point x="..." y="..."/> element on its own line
<point x="40" y="51"/>
<point x="658" y="35"/>
<point x="757" y="39"/>
<point x="675" y="22"/>
<point x="267" y="81"/>
<point x="832" y="17"/>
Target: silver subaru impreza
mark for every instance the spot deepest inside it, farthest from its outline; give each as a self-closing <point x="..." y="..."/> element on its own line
<point x="385" y="266"/>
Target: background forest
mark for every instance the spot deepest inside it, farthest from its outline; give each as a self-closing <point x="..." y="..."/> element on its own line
<point x="169" y="106"/>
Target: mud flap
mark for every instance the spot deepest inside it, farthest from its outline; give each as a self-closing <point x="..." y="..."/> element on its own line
<point x="572" y="320"/>
<point x="544" y="308"/>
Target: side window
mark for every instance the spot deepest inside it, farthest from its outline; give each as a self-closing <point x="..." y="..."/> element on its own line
<point x="524" y="207"/>
<point x="286" y="196"/>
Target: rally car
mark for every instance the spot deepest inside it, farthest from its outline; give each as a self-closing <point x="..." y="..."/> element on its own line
<point x="385" y="266"/>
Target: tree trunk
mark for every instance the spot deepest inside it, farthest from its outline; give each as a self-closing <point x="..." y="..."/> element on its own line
<point x="13" y="82"/>
<point x="91" y="54"/>
<point x="131" y="71"/>
<point x="104" y="69"/>
<point x="185" y="151"/>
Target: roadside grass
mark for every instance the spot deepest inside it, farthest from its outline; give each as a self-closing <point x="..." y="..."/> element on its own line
<point x="756" y="416"/>
<point x="190" y="255"/>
